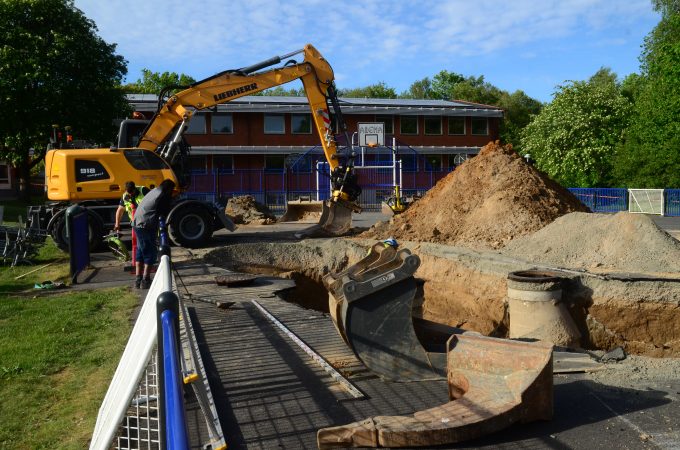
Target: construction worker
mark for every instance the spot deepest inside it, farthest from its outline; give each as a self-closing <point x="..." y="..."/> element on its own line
<point x="129" y="202"/>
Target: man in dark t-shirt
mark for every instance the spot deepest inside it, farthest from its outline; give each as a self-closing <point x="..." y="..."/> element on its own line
<point x="155" y="204"/>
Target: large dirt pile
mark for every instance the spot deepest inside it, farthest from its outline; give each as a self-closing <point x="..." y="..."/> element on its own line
<point x="245" y="210"/>
<point x="622" y="242"/>
<point x="485" y="203"/>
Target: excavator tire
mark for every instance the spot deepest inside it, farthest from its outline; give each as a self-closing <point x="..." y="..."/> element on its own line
<point x="59" y="236"/>
<point x="190" y="227"/>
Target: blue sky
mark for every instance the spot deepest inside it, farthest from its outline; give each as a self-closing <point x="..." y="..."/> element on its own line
<point x="532" y="45"/>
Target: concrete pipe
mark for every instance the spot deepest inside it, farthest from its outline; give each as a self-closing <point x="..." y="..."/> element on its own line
<point x="536" y="309"/>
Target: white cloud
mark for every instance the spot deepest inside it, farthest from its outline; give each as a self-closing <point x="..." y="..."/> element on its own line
<point x="369" y="40"/>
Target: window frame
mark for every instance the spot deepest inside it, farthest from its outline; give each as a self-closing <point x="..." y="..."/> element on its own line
<point x="220" y="114"/>
<point x="307" y="116"/>
<point x="264" y="123"/>
<point x="405" y="168"/>
<point x="448" y="128"/>
<point x="441" y="128"/>
<point x="428" y="157"/>
<point x="221" y="170"/>
<point x="472" y="128"/>
<point x="401" y="126"/>
<point x="195" y="117"/>
<point x="8" y="180"/>
<point x="274" y="169"/>
<point x="381" y="117"/>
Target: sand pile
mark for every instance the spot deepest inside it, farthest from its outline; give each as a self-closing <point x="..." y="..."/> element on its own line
<point x="621" y="242"/>
<point x="245" y="210"/>
<point x="485" y="203"/>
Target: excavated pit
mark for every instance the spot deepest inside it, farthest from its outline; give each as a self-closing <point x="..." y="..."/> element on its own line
<point x="468" y="289"/>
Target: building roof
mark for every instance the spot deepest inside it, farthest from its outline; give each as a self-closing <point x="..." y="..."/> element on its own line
<point x="387" y="106"/>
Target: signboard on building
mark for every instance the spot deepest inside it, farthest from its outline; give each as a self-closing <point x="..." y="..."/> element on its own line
<point x="371" y="134"/>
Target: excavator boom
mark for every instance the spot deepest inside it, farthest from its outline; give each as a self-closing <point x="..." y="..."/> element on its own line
<point x="165" y="130"/>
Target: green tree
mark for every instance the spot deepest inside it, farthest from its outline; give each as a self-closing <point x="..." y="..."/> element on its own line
<point x="444" y="83"/>
<point x="283" y="92"/>
<point x="418" y="89"/>
<point x="53" y="69"/>
<point x="574" y="138"/>
<point x="650" y="156"/>
<point x="379" y="90"/>
<point x="153" y="82"/>
<point x="519" y="109"/>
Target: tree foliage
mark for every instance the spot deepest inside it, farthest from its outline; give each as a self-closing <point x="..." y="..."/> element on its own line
<point x="153" y="82"/>
<point x="378" y="90"/>
<point x="54" y="69"/>
<point x="574" y="138"/>
<point x="650" y="156"/>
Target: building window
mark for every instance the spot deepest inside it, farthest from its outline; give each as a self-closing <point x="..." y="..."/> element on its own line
<point x="408" y="162"/>
<point x="457" y="125"/>
<point x="433" y="125"/>
<point x="4" y="173"/>
<point x="223" y="163"/>
<point x="388" y="121"/>
<point x="409" y="125"/>
<point x="301" y="123"/>
<point x="198" y="164"/>
<point x="480" y="126"/>
<point x="222" y="123"/>
<point x="274" y="163"/>
<point x="197" y="124"/>
<point x="274" y="124"/>
<point x="434" y="163"/>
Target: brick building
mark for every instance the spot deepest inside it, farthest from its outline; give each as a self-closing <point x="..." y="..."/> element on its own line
<point x="249" y="144"/>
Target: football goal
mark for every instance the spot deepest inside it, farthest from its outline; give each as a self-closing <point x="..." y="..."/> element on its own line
<point x="646" y="201"/>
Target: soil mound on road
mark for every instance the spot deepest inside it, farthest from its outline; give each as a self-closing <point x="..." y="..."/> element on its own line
<point x="246" y="210"/>
<point x="621" y="242"/>
<point x="488" y="201"/>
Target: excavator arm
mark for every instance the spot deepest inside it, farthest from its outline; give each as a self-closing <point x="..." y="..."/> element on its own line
<point x="164" y="133"/>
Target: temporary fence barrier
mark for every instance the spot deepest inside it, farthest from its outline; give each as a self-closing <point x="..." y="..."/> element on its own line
<point x="602" y="199"/>
<point x="143" y="406"/>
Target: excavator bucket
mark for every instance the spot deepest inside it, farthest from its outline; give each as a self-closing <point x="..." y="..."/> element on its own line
<point x="492" y="383"/>
<point x="370" y="304"/>
<point x="302" y="210"/>
<point x="336" y="218"/>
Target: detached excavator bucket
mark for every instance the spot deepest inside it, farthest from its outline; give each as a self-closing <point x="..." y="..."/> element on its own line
<point x="370" y="304"/>
<point x="492" y="382"/>
<point x="302" y="210"/>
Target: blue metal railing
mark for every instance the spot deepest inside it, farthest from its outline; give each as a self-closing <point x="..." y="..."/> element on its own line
<point x="603" y="199"/>
<point x="175" y="422"/>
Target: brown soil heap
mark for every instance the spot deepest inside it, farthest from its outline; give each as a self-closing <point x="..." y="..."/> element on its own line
<point x="245" y="210"/>
<point x="485" y="203"/>
<point x="621" y="242"/>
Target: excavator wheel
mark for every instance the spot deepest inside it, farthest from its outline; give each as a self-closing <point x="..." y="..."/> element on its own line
<point x="190" y="227"/>
<point x="58" y="233"/>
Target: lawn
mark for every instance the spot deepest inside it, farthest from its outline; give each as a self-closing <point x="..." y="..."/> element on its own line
<point x="16" y="208"/>
<point x="58" y="352"/>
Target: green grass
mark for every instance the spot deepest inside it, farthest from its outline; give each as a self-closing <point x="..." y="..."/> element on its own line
<point x="57" y="356"/>
<point x="15" y="208"/>
<point x="47" y="254"/>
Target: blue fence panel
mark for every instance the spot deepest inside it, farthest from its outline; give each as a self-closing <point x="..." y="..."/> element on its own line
<point x="672" y="202"/>
<point x="607" y="200"/>
<point x="175" y="423"/>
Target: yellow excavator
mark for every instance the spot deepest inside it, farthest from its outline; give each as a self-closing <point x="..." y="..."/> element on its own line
<point x="151" y="151"/>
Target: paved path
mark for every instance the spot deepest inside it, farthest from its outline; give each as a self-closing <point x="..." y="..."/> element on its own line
<point x="270" y="394"/>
